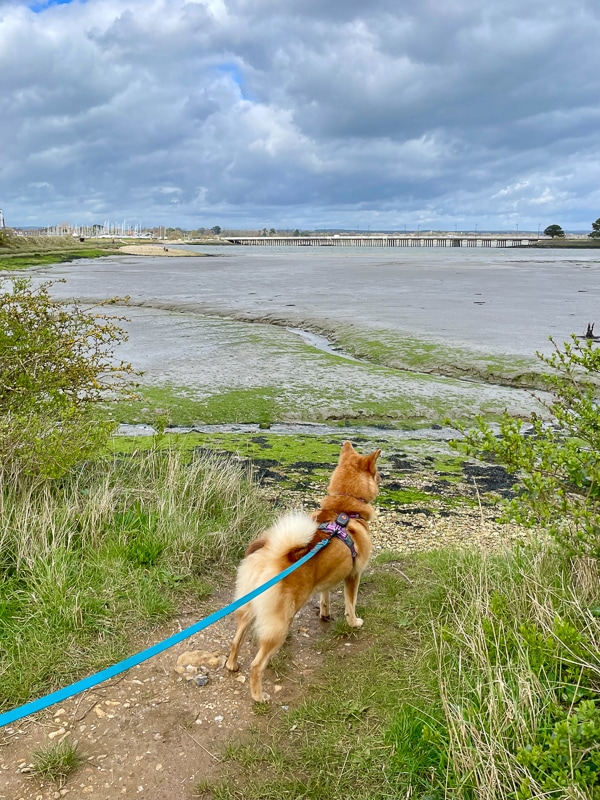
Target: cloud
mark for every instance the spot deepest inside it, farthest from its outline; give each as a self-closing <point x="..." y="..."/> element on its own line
<point x="248" y="112"/>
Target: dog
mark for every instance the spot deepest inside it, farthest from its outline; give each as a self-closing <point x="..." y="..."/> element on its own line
<point x="343" y="517"/>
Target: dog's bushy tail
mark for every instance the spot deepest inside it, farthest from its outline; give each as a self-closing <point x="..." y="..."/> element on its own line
<point x="290" y="532"/>
<point x="282" y="544"/>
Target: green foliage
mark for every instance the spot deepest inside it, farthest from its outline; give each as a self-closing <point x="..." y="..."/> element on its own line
<point x="56" y="363"/>
<point x="418" y="750"/>
<point x="558" y="463"/>
<point x="595" y="234"/>
<point x="565" y="754"/>
<point x="518" y="657"/>
<point x="554" y="231"/>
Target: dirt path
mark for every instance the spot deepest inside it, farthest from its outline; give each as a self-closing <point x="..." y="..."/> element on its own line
<point x="151" y="733"/>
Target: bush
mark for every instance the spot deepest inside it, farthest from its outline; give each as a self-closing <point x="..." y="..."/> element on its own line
<point x="558" y="462"/>
<point x="56" y="364"/>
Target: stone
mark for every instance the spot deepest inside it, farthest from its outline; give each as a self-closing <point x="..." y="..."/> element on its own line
<point x="197" y="658"/>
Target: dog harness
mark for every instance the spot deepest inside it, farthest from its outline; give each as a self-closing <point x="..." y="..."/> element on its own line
<point x="338" y="528"/>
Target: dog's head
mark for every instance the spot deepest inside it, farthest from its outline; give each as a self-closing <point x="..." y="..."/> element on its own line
<point x="356" y="475"/>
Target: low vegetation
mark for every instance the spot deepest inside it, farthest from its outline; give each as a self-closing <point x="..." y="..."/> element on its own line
<point x="19" y="252"/>
<point x="57" y="761"/>
<point x="110" y="548"/>
<point x="558" y="463"/>
<point x="56" y="364"/>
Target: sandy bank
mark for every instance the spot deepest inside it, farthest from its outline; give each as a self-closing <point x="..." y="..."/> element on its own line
<point x="155" y="250"/>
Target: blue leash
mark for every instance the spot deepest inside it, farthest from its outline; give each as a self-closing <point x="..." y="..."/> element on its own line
<point x="144" y="655"/>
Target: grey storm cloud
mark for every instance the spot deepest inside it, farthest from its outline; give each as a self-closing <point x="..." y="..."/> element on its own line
<point x="252" y="112"/>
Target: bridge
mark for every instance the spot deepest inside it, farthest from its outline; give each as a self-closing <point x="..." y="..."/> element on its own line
<point x="393" y="240"/>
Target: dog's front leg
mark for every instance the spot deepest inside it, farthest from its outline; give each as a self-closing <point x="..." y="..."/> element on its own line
<point x="324" y="609"/>
<point x="350" y="595"/>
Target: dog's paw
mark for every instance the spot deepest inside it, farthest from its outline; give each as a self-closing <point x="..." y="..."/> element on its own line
<point x="262" y="698"/>
<point x="232" y="665"/>
<point x="325" y="617"/>
<point x="357" y="622"/>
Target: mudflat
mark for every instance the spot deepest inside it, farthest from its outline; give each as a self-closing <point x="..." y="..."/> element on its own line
<point x="498" y="301"/>
<point x="438" y="332"/>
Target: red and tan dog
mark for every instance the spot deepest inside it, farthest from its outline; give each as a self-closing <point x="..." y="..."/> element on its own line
<point x="353" y="485"/>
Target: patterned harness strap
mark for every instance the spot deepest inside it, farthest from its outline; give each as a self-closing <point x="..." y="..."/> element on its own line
<point x="338" y="528"/>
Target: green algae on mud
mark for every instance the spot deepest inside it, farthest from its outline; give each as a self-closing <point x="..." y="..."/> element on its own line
<point x="408" y="353"/>
<point x="412" y="476"/>
<point x="413" y="402"/>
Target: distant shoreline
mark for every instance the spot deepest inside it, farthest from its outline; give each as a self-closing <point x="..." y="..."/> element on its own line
<point x="156" y="250"/>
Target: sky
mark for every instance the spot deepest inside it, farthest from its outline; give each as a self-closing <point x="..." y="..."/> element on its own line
<point x="349" y="114"/>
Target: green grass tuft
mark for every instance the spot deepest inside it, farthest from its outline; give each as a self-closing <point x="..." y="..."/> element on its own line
<point x="57" y="761"/>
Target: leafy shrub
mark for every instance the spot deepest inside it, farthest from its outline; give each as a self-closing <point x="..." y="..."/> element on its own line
<point x="557" y="462"/>
<point x="56" y="363"/>
<point x="566" y="754"/>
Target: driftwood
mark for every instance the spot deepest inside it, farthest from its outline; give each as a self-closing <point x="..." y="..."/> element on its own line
<point x="589" y="334"/>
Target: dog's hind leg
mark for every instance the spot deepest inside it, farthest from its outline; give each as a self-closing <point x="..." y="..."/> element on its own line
<point x="350" y="595"/>
<point x="269" y="645"/>
<point x="244" y="615"/>
<point x="324" y="609"/>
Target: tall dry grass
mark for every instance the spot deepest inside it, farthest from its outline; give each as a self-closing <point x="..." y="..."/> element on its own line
<point x="87" y="561"/>
<point x="518" y="649"/>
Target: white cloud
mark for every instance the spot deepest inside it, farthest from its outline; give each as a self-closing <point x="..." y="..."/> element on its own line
<point x="174" y="111"/>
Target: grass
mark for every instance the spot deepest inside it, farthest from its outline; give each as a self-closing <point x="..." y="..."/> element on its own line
<point x="57" y="761"/>
<point x="112" y="548"/>
<point x="468" y="668"/>
<point x="304" y="462"/>
<point x="20" y="252"/>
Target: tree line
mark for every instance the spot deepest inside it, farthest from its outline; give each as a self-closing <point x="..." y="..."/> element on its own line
<point x="555" y="231"/>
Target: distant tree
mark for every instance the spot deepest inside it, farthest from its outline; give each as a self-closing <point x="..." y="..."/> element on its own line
<point x="272" y="232"/>
<point x="296" y="232"/>
<point x="595" y="234"/>
<point x="216" y="229"/>
<point x="555" y="231"/>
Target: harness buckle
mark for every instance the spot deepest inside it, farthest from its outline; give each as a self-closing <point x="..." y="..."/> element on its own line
<point x="338" y="529"/>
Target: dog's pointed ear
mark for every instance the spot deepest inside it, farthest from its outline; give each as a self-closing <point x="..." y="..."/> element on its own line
<point x="346" y="449"/>
<point x="372" y="460"/>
